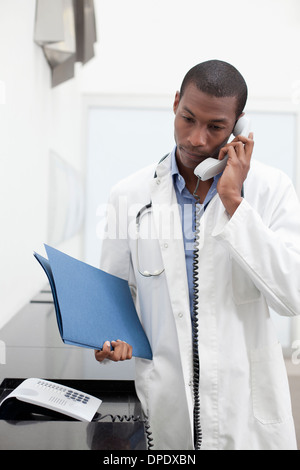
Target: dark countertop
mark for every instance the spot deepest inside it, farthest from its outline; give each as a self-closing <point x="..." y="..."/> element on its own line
<point x="33" y="348"/>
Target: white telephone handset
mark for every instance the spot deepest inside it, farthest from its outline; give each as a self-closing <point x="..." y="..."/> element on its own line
<point x="56" y="397"/>
<point x="211" y="166"/>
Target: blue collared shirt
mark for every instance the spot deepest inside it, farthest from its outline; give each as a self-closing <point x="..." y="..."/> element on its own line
<point x="187" y="205"/>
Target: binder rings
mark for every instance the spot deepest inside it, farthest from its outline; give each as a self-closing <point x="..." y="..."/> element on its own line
<point x="91" y="305"/>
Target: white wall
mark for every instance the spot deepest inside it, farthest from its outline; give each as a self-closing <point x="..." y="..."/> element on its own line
<point x="33" y="119"/>
<point x="146" y="46"/>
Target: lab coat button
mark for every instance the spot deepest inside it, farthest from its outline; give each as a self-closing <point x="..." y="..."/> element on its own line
<point x="157" y="181"/>
<point x="180" y="315"/>
<point x="166" y="245"/>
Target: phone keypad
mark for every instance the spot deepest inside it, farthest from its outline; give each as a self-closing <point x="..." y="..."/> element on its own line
<point x="77" y="396"/>
<point x="68" y="392"/>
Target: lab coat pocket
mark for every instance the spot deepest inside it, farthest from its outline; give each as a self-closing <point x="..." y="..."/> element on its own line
<point x="270" y="389"/>
<point x="243" y="288"/>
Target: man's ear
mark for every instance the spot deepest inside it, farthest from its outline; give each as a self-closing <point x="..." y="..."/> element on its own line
<point x="242" y="114"/>
<point x="176" y="101"/>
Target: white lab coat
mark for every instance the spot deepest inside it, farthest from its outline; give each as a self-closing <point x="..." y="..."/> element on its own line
<point x="246" y="264"/>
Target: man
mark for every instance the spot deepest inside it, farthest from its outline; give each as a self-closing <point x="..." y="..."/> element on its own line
<point x="246" y="259"/>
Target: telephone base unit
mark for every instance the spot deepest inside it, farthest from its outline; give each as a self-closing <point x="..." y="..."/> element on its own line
<point x="29" y="426"/>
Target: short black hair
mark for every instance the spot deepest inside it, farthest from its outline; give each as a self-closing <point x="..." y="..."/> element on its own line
<point x="220" y="79"/>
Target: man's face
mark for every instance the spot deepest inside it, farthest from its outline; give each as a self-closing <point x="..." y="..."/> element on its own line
<point x="203" y="125"/>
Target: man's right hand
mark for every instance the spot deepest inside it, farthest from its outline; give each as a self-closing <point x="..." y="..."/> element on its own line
<point x="120" y="351"/>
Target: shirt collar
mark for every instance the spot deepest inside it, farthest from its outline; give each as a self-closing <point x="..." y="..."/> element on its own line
<point x="178" y="179"/>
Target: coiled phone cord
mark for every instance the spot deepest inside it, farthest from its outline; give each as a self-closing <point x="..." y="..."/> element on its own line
<point x="196" y="361"/>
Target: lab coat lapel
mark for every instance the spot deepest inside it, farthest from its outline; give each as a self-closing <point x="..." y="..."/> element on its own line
<point x="168" y="227"/>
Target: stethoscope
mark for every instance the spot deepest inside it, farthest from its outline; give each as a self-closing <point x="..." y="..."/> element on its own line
<point x="148" y="206"/>
<point x="145" y="273"/>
